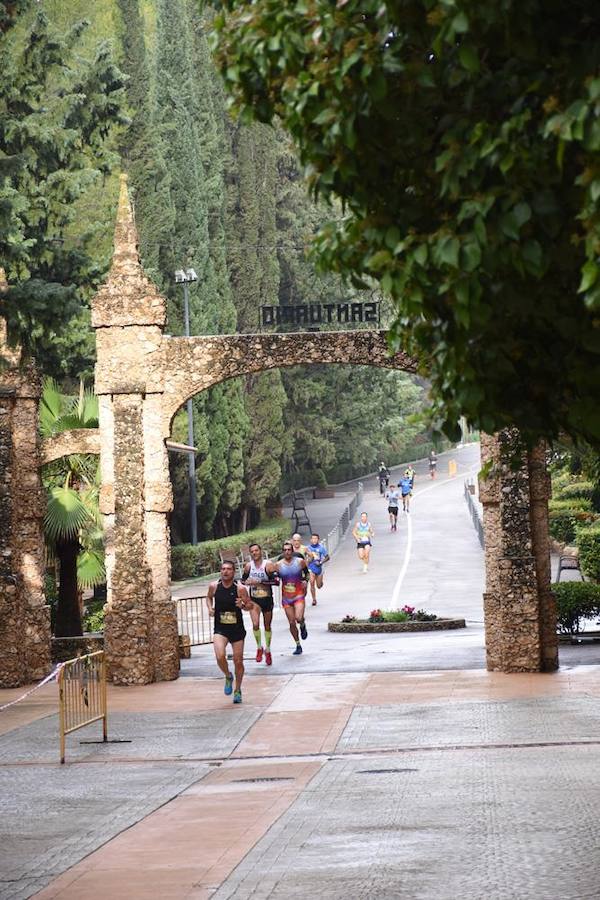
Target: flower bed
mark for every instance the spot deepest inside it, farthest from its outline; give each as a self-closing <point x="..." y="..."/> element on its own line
<point x="395" y="620"/>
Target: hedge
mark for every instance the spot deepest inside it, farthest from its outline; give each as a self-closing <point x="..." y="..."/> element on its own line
<point x="575" y="600"/>
<point x="588" y="542"/>
<point x="564" y="523"/>
<point x="192" y="561"/>
<point x="575" y="490"/>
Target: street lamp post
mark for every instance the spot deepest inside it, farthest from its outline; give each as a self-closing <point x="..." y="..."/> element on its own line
<point x="185" y="277"/>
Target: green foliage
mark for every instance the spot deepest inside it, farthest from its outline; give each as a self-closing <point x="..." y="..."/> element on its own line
<point x="468" y="169"/>
<point x="56" y="110"/>
<point x="575" y="600"/>
<point x="189" y="561"/>
<point x="575" y="490"/>
<point x="588" y="543"/>
<point x="94" y="617"/>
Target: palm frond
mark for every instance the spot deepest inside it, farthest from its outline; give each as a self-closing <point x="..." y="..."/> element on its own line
<point x="84" y="408"/>
<point x="66" y="514"/>
<point x="51" y="407"/>
<point x="90" y="569"/>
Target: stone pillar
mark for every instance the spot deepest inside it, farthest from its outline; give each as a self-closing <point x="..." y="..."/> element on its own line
<point x="129" y="315"/>
<point x="158" y="503"/>
<point x="518" y="612"/>
<point x="24" y="616"/>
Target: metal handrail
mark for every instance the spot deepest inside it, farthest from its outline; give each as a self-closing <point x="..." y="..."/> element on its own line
<point x="474" y="511"/>
<point x="338" y="532"/>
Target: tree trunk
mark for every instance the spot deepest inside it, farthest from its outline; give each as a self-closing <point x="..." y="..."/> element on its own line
<point x="68" y="613"/>
<point x="244" y="519"/>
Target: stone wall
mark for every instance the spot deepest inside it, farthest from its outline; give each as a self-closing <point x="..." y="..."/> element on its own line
<point x="24" y="615"/>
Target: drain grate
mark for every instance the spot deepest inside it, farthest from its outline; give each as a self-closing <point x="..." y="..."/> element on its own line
<point x="258" y="780"/>
<point x="384" y="771"/>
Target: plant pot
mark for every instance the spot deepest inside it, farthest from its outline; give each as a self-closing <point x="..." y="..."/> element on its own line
<point x="363" y="627"/>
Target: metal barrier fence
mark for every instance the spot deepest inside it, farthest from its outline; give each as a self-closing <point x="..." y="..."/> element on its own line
<point x="193" y="619"/>
<point x="336" y="535"/>
<point x="81" y="695"/>
<point x="474" y="509"/>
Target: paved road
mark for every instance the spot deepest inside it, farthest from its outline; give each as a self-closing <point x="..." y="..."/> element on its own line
<point x="433" y="562"/>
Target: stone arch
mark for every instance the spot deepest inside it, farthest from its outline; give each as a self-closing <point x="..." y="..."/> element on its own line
<point x="144" y="376"/>
<point x="194" y="364"/>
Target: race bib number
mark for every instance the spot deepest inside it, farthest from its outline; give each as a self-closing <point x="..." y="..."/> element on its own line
<point x="290" y="588"/>
<point x="228" y="618"/>
<point x="260" y="592"/>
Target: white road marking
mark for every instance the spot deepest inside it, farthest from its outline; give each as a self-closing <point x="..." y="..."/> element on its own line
<point x="398" y="586"/>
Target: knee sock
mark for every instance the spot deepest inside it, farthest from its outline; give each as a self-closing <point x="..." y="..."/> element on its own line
<point x="257" y="638"/>
<point x="268" y="639"/>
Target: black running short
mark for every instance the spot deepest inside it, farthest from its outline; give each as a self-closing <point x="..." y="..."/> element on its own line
<point x="264" y="603"/>
<point x="233" y="633"/>
<point x="393" y="510"/>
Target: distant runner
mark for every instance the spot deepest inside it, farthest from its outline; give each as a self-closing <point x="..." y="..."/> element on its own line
<point x="405" y="489"/>
<point x="384" y="477"/>
<point x="259" y="575"/>
<point x="293" y="592"/>
<point x="363" y="533"/>
<point x="432" y="462"/>
<point x="317" y="555"/>
<point x="225" y="600"/>
<point x="393" y="499"/>
<point x="410" y="473"/>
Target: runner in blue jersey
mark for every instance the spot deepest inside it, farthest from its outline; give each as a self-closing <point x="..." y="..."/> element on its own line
<point x="405" y="489"/>
<point x="317" y="555"/>
<point x="363" y="532"/>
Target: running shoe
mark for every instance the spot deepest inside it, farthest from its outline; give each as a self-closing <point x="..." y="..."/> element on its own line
<point x="228" y="685"/>
<point x="365" y="568"/>
<point x="268" y="658"/>
<point x="303" y="631"/>
<point x="237" y="696"/>
<point x="314" y="603"/>
<point x="298" y="650"/>
<point x="259" y="654"/>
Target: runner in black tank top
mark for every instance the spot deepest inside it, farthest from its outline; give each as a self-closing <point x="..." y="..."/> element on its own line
<point x="225" y="600"/>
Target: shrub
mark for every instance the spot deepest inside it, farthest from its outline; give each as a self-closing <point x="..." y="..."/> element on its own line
<point x="588" y="542"/>
<point x="575" y="600"/>
<point x="574" y="490"/>
<point x="396" y="615"/>
<point x="422" y="616"/>
<point x="574" y="504"/>
<point x="192" y="561"/>
<point x="563" y="523"/>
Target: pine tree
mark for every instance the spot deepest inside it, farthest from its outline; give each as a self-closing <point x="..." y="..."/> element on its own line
<point x="52" y="147"/>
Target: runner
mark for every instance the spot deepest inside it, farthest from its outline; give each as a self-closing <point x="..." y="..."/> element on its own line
<point x="393" y="499"/>
<point x="301" y="551"/>
<point x="225" y="600"/>
<point x="384" y="477"/>
<point x="299" y="548"/>
<point x="317" y="555"/>
<point x="363" y="533"/>
<point x="293" y="592"/>
<point x="259" y="573"/>
<point x="405" y="489"/>
<point x="410" y="473"/>
<point x="432" y="462"/>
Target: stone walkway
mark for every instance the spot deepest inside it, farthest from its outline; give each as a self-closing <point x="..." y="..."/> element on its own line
<point x="371" y="766"/>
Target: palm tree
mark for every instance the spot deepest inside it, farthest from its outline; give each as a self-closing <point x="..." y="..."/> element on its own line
<point x="72" y="524"/>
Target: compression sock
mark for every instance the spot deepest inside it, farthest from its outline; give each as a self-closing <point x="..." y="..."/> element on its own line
<point x="257" y="638"/>
<point x="268" y="639"/>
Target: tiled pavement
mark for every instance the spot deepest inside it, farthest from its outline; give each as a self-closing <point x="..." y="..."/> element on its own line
<point x="351" y="772"/>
